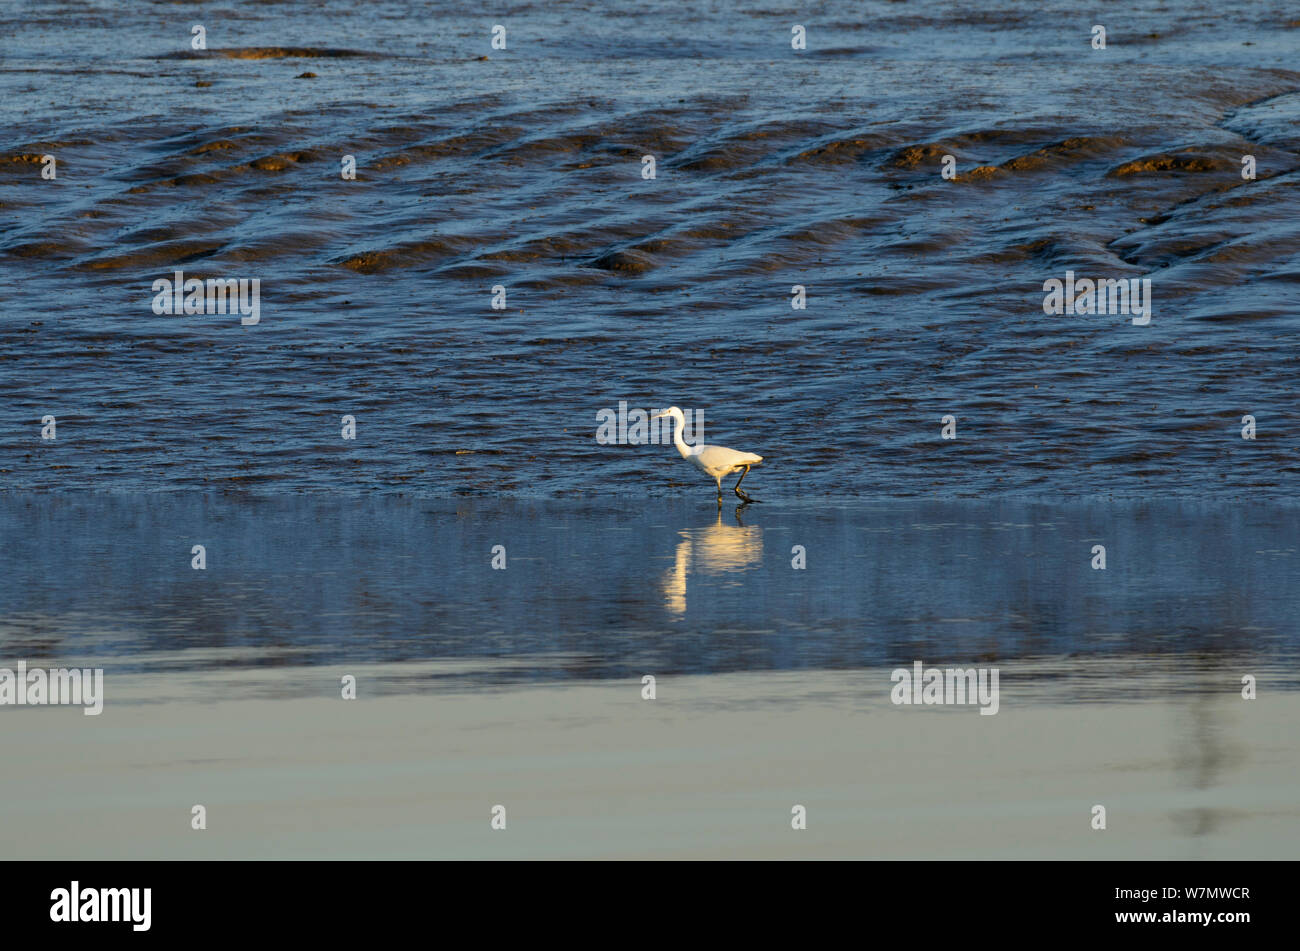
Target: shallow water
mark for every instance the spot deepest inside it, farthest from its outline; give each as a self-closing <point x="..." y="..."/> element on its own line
<point x="775" y="168"/>
<point x="599" y="591"/>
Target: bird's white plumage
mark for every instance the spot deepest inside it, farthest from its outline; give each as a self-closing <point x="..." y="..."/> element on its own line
<point x="719" y="461"/>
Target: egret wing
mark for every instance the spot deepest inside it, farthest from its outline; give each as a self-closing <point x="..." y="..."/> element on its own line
<point x="722" y="459"/>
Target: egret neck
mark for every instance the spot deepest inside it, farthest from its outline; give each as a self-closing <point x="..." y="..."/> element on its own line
<point x="678" y="425"/>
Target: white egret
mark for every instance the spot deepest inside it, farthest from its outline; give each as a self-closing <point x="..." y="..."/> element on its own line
<point x="714" y="461"/>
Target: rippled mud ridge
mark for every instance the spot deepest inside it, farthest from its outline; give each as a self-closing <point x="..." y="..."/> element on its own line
<point x="524" y="169"/>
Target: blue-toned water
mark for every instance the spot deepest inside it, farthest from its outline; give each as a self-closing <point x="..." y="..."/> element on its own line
<point x="522" y="168"/>
<point x="562" y="590"/>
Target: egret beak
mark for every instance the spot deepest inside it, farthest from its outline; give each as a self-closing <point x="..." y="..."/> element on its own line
<point x="658" y="415"/>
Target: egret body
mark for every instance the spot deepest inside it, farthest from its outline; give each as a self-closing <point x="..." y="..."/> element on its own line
<point x="713" y="461"/>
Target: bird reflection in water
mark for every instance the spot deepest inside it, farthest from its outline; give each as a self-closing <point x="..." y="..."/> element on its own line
<point x="1202" y="758"/>
<point x="716" y="549"/>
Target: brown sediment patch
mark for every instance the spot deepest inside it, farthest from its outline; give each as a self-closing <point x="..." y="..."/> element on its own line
<point x="279" y="247"/>
<point x="1185" y="161"/>
<point x="178" y="252"/>
<point x="784" y="129"/>
<point x="218" y="145"/>
<point x="1027" y="163"/>
<point x="406" y="255"/>
<point x="547" y="146"/>
<point x="1077" y="147"/>
<point x="391" y="161"/>
<point x="558" y="279"/>
<point x="920" y="244"/>
<point x="550" y="247"/>
<point x="523" y="255"/>
<point x="198" y="178"/>
<point x="473" y="271"/>
<point x="277" y="162"/>
<point x="846" y="51"/>
<point x="1074" y="149"/>
<point x="33" y="153"/>
<point x="720" y="159"/>
<point x="828" y="231"/>
<point x="270" y="52"/>
<point x="914" y="155"/>
<point x="470" y="142"/>
<point x="626" y="261"/>
<point x="1240" y="316"/>
<point x="841" y="150"/>
<point x="372" y="262"/>
<point x="156" y="235"/>
<point x="716" y="231"/>
<point x="40" y="249"/>
<point x="559" y="244"/>
<point x="466" y="144"/>
<point x="1047" y="251"/>
<point x="737" y="148"/>
<point x="281" y="161"/>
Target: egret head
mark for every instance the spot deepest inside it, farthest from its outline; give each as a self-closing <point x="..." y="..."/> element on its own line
<point x="672" y="411"/>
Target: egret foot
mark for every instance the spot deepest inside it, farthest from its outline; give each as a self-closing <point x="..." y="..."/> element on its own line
<point x="739" y="492"/>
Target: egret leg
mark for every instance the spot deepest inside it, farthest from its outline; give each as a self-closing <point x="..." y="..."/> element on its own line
<point x="719" y="480"/>
<point x="737" y="489"/>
